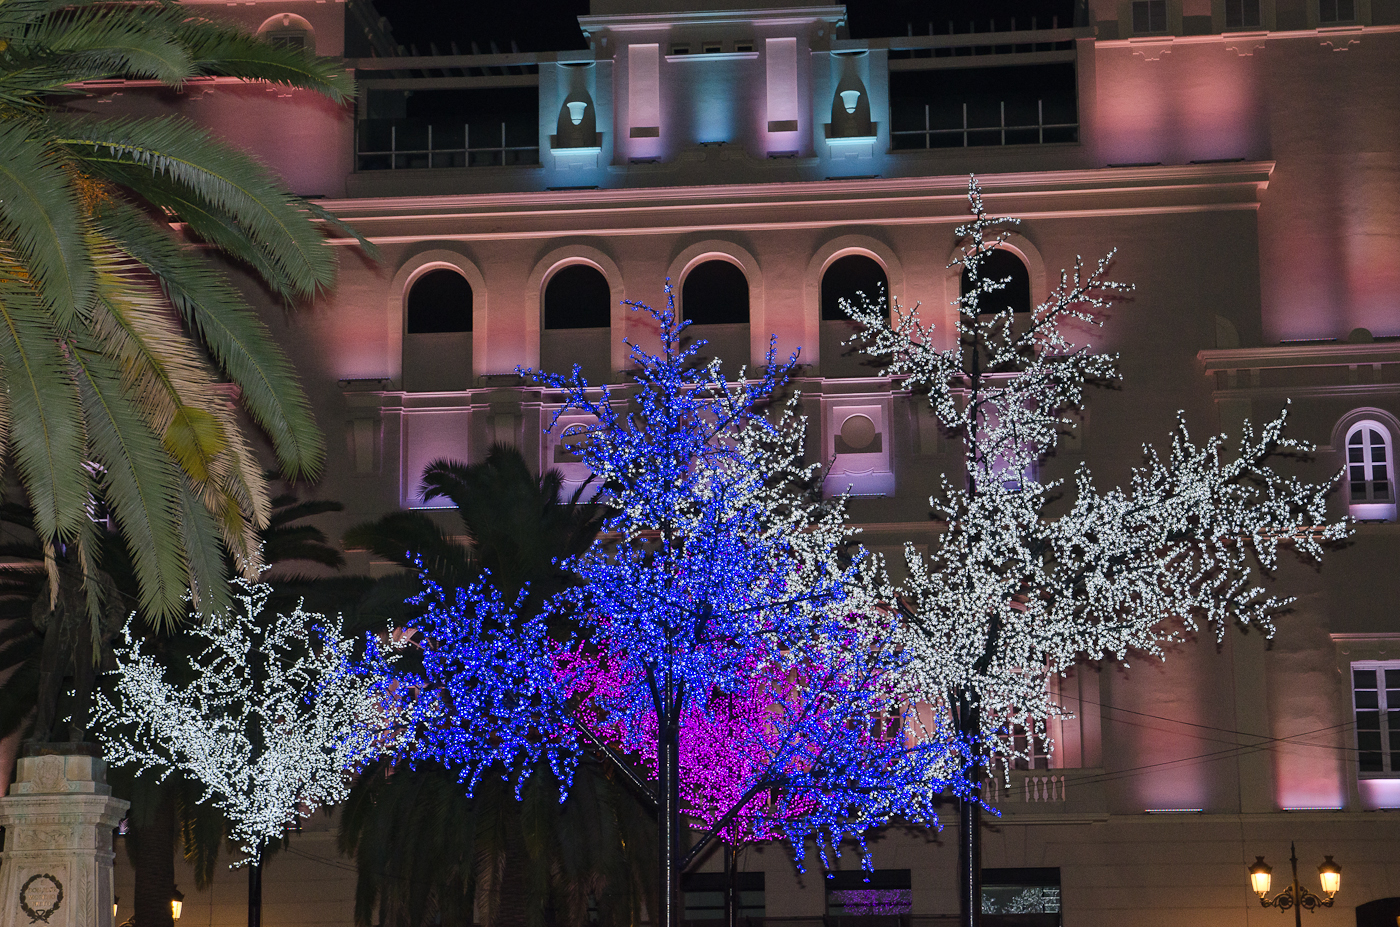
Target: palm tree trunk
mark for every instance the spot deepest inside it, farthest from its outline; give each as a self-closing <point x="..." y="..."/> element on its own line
<point x="155" y="864"/>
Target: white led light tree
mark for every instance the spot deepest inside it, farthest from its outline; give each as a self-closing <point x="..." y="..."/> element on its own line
<point x="1010" y="594"/>
<point x="272" y="717"/>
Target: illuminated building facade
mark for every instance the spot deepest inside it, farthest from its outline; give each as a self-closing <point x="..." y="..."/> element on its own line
<point x="1242" y="155"/>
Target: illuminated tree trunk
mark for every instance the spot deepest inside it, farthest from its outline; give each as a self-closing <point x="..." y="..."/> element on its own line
<point x="970" y="831"/>
<point x="668" y="819"/>
<point x="731" y="887"/>
<point x="255" y="891"/>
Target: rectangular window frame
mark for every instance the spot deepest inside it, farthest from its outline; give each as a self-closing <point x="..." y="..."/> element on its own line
<point x="1041" y="884"/>
<point x="1387" y="720"/>
<point x="1333" y="12"/>
<point x="1149" y="17"/>
<point x="887" y="887"/>
<point x="1243" y="15"/>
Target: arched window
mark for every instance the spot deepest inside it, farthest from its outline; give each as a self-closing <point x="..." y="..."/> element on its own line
<point x="848" y="276"/>
<point x="578" y="296"/>
<point x="1370" y="480"/>
<point x="1000" y="264"/>
<point x="440" y="301"/>
<point x="715" y="293"/>
<point x="288" y="30"/>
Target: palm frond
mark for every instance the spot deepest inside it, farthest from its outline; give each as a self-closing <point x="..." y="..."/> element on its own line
<point x="204" y="555"/>
<point x="226" y="180"/>
<point x="116" y="40"/>
<point x="239" y="342"/>
<point x="17" y="15"/>
<point x="41" y="221"/>
<point x="139" y="482"/>
<point x="323" y="214"/>
<point x="177" y="391"/>
<point x="288" y="508"/>
<point x="400" y="537"/>
<point x="228" y="53"/>
<point x="46" y="428"/>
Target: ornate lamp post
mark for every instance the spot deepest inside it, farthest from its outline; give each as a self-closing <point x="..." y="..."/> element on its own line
<point x="1295" y="896"/>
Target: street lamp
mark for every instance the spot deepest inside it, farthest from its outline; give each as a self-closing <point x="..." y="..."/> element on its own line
<point x="1295" y="896"/>
<point x="177" y="904"/>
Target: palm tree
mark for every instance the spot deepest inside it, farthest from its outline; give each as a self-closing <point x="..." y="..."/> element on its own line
<point x="115" y="334"/>
<point x="423" y="849"/>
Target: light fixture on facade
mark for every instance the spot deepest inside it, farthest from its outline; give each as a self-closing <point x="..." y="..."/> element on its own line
<point x="1295" y="896"/>
<point x="576" y="108"/>
<point x="849" y="98"/>
<point x="177" y="903"/>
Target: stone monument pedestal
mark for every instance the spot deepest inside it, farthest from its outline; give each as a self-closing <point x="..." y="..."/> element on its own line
<point x="56" y="869"/>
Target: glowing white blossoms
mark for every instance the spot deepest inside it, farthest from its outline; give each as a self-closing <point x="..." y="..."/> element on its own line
<point x="270" y="722"/>
<point x="1008" y="593"/>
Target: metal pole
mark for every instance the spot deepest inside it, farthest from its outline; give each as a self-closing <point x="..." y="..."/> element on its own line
<point x="255" y="891"/>
<point x="1297" y="894"/>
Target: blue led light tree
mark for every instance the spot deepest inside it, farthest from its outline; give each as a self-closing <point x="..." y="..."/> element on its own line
<point x="722" y="583"/>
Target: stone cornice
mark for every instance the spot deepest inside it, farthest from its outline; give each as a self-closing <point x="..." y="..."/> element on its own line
<point x="901" y="200"/>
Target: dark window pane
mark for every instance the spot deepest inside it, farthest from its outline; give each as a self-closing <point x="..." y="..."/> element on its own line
<point x="975" y="98"/>
<point x="715" y="293"/>
<point x="577" y="296"/>
<point x="1355" y="438"/>
<point x="1363" y="679"/>
<point x="1000" y="264"/>
<point x="1368" y="740"/>
<point x="1356" y="455"/>
<point x="1150" y="16"/>
<point x="848" y="276"/>
<point x="1370" y="762"/>
<point x="440" y="301"/>
<point x="1366" y="699"/>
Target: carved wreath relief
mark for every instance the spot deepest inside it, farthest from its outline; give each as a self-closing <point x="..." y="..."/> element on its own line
<point x="40" y="896"/>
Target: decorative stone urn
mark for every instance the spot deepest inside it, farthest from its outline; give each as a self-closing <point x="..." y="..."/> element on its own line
<point x="56" y="869"/>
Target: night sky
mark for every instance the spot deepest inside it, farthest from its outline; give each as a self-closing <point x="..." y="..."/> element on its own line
<point x="552" y="25"/>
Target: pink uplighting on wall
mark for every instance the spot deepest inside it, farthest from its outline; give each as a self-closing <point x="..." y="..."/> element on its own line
<point x="1379" y="793"/>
